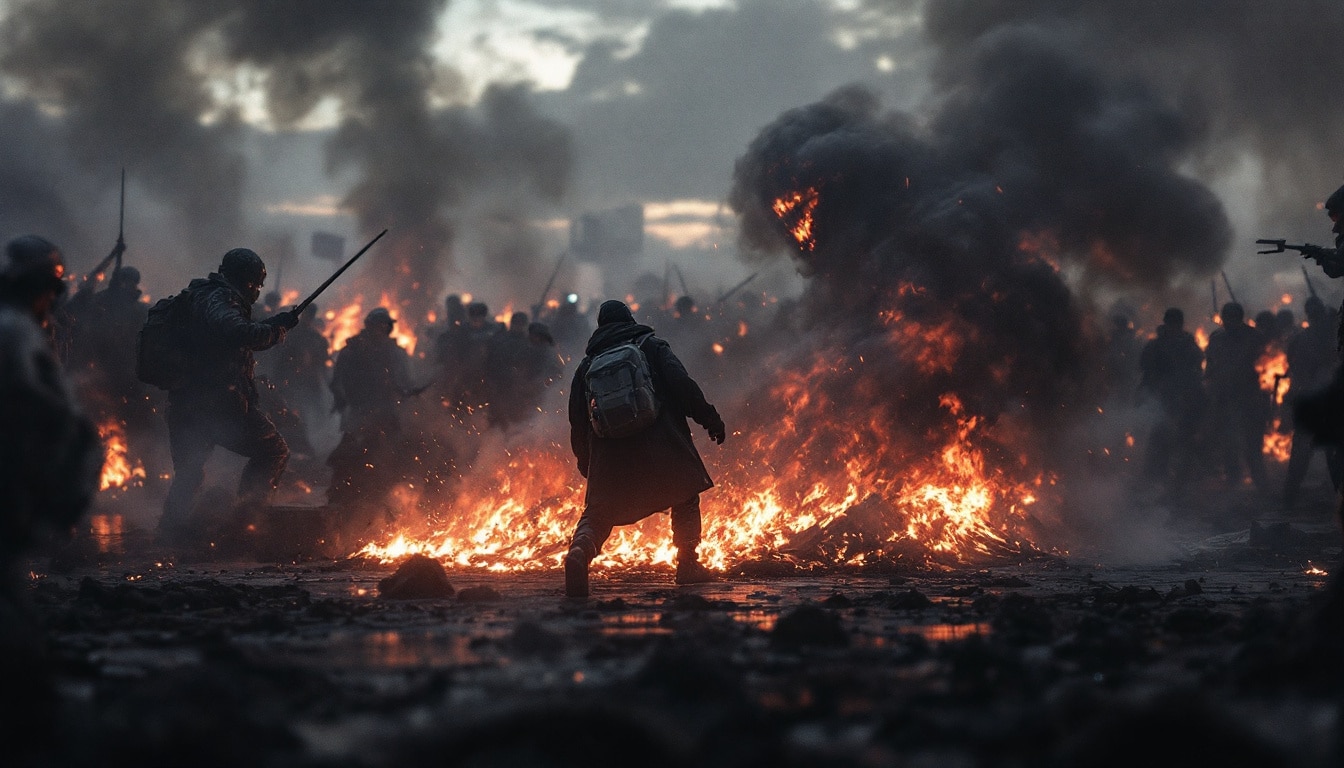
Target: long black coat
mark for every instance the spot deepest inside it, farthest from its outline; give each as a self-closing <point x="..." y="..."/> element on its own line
<point x="633" y="477"/>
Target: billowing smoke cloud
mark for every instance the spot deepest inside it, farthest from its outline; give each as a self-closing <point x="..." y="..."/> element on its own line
<point x="952" y="257"/>
<point x="417" y="165"/>
<point x="121" y="78"/>
<point x="135" y="84"/>
<point x="1258" y="79"/>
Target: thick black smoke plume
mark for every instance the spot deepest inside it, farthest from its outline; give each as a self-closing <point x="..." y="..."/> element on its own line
<point x="947" y="254"/>
<point x="134" y="84"/>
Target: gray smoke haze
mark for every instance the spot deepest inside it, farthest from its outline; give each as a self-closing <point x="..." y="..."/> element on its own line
<point x="666" y="121"/>
<point x="131" y="81"/>
<point x="119" y="75"/>
<point x="957" y="252"/>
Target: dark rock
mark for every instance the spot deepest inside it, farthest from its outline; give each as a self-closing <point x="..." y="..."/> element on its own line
<point x="837" y="600"/>
<point x="809" y="625"/>
<point x="910" y="600"/>
<point x="481" y="594"/>
<point x="418" y="578"/>
<point x="1189" y="589"/>
<point x="532" y="639"/>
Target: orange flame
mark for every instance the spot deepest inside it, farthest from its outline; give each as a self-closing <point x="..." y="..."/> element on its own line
<point x="799" y="207"/>
<point x="118" y="471"/>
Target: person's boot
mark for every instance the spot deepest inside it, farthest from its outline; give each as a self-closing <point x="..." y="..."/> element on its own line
<point x="576" y="572"/>
<point x="690" y="571"/>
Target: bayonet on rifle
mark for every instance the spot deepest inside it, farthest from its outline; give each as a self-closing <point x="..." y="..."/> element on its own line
<point x="120" y="247"/>
<point x="1310" y="287"/>
<point x="298" y="310"/>
<point x="559" y="261"/>
<point x="736" y="288"/>
<point x="1228" y="284"/>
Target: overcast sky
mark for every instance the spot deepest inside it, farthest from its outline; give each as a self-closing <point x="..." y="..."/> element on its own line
<point x="476" y="129"/>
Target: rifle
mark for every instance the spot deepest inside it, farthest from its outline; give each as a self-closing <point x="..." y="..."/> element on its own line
<point x="1230" y="293"/>
<point x="735" y="288"/>
<point x="1213" y="297"/>
<point x="1310" y="288"/>
<point x="120" y="247"/>
<point x="540" y="305"/>
<point x="682" y="279"/>
<point x="1316" y="253"/>
<point x="298" y="310"/>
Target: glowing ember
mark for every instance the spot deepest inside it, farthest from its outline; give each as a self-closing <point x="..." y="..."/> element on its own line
<point x="118" y="471"/>
<point x="798" y="206"/>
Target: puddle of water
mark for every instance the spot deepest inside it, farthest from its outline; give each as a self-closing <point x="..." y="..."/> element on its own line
<point x="632" y="625"/>
<point x="383" y="650"/>
<point x="946" y="633"/>
<point x="108" y="531"/>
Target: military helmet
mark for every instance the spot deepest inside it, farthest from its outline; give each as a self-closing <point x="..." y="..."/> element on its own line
<point x="1173" y="316"/>
<point x="127" y="275"/>
<point x="33" y="263"/>
<point x="1314" y="308"/>
<point x="379" y="315"/>
<point x="243" y="266"/>
<point x="1335" y="203"/>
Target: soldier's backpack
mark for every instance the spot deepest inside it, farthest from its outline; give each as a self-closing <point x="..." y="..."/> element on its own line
<point x="163" y="347"/>
<point x="621" y="400"/>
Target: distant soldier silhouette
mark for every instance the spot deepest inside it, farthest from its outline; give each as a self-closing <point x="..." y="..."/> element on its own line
<point x="299" y="370"/>
<point x="218" y="403"/>
<point x="1171" y="371"/>
<point x="630" y="478"/>
<point x="1238" y="407"/>
<point x="508" y="354"/>
<point x="1312" y="359"/>
<point x="369" y="379"/>
<point x="102" y="356"/>
<point x="1121" y="359"/>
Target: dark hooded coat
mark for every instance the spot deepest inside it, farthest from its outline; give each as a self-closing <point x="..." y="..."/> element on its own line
<point x="633" y="477"/>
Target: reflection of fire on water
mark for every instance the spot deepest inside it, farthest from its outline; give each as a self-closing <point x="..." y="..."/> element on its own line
<point x="107" y="530"/>
<point x="118" y="471"/>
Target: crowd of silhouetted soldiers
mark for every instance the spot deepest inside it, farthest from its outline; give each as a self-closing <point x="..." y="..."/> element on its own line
<point x="362" y="419"/>
<point x="1214" y="407"/>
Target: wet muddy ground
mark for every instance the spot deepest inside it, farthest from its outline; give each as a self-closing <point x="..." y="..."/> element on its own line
<point x="1204" y="660"/>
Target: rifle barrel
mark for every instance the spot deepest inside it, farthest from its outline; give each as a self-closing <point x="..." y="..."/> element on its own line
<point x="313" y="296"/>
<point x="736" y="288"/>
<point x="1228" y="284"/>
<point x="551" y="283"/>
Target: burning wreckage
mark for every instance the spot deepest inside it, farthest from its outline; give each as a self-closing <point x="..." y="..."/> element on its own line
<point x="929" y="435"/>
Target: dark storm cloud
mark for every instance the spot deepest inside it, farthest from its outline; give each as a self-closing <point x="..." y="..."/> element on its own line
<point x="416" y="165"/>
<point x="30" y="199"/>
<point x="120" y="75"/>
<point x="1259" y="79"/>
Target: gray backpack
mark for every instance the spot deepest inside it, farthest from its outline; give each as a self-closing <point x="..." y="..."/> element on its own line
<point x="621" y="400"/>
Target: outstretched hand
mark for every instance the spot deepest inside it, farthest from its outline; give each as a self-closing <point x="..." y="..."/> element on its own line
<point x="718" y="432"/>
<point x="287" y="319"/>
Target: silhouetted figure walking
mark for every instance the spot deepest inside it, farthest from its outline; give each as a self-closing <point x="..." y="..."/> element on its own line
<point x="632" y="477"/>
